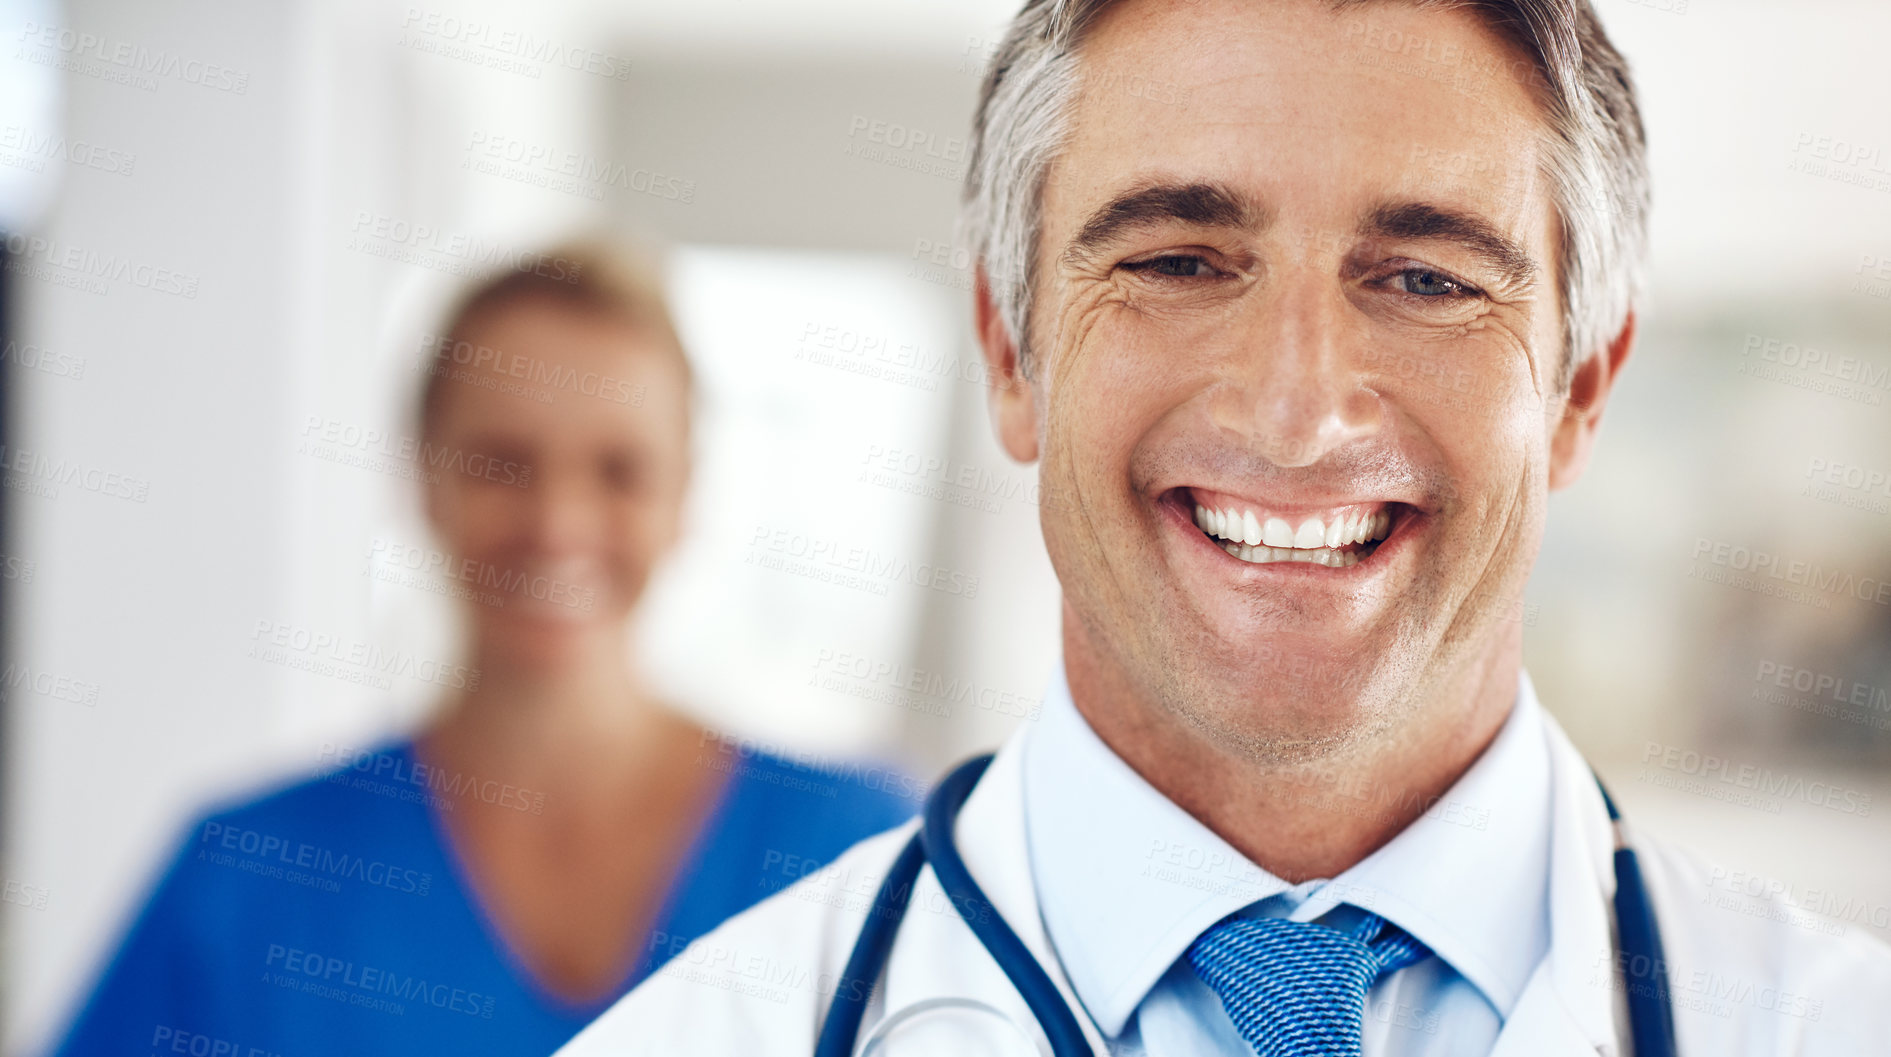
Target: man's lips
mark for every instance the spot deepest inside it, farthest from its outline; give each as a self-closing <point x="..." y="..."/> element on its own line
<point x="1262" y="533"/>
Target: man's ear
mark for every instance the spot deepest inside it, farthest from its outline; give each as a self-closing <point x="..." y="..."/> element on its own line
<point x="1013" y="411"/>
<point x="1589" y="390"/>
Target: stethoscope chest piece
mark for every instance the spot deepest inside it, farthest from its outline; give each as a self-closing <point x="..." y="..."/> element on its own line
<point x="949" y="1027"/>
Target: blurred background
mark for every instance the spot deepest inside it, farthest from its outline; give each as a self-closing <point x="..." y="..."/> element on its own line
<point x="230" y="229"/>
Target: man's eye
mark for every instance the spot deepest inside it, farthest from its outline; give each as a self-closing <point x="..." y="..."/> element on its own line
<point x="1425" y="283"/>
<point x="1174" y="266"/>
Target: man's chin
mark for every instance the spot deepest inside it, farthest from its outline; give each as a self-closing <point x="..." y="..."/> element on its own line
<point x="1285" y="718"/>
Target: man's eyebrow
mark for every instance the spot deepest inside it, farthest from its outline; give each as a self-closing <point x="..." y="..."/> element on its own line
<point x="1197" y="204"/>
<point x="1418" y="220"/>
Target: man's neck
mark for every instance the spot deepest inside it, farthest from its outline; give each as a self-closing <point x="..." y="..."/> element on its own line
<point x="1302" y="821"/>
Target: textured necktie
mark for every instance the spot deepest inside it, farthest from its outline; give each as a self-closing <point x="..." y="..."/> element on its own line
<point x="1298" y="988"/>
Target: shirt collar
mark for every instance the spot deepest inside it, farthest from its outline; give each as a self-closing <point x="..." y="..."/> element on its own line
<point x="1126" y="879"/>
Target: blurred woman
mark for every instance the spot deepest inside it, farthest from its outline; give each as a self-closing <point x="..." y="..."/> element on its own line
<point x="557" y="833"/>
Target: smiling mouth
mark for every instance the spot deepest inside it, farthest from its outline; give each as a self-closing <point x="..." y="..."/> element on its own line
<point x="1337" y="537"/>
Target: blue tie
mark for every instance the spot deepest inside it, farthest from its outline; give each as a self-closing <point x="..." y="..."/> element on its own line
<point x="1298" y="988"/>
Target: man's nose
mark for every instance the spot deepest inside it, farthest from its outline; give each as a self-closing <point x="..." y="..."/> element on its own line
<point x="1289" y="388"/>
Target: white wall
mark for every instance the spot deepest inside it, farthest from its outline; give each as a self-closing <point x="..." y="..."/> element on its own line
<point x="151" y="600"/>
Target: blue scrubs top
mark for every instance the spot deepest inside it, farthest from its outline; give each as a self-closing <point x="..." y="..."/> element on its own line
<point x="333" y="917"/>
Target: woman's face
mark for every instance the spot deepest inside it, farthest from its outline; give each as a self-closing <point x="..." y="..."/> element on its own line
<point x="556" y="460"/>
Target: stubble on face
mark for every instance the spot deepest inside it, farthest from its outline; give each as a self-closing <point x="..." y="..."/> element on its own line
<point x="1129" y="378"/>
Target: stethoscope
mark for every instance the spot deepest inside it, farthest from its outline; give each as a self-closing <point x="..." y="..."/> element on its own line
<point x="1650" y="1006"/>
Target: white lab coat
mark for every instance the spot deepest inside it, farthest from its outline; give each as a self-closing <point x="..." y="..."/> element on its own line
<point x="1746" y="980"/>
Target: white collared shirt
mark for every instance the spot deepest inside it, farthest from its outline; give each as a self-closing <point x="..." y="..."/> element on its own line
<point x="1126" y="880"/>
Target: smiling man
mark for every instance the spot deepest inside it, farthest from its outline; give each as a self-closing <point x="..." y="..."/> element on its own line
<point x="1300" y="350"/>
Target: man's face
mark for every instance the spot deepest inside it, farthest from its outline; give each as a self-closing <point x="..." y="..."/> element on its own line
<point x="1310" y="305"/>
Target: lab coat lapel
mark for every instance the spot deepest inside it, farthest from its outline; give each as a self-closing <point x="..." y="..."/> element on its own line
<point x="1540" y="1025"/>
<point x="936" y="954"/>
<point x="1567" y="1007"/>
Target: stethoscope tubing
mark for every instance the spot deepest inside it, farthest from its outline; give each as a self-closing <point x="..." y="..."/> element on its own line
<point x="871" y="951"/>
<point x="1645" y="963"/>
<point x="1650" y="1003"/>
<point x="1054" y="1016"/>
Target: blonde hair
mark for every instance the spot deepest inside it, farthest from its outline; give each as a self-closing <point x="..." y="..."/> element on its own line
<point x="581" y="277"/>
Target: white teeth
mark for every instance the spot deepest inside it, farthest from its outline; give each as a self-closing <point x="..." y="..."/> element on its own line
<point x="1266" y="555"/>
<point x="1248" y="536"/>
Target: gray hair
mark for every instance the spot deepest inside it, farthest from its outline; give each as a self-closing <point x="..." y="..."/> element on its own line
<point x="1596" y="156"/>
